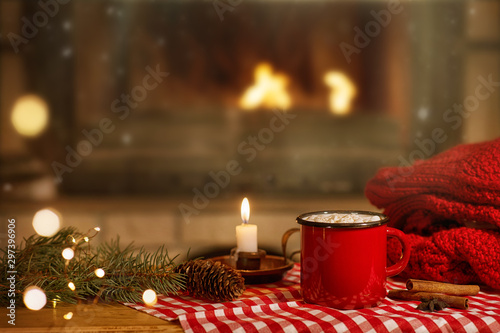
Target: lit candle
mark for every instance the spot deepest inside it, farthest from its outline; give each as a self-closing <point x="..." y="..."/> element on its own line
<point x="246" y="234"/>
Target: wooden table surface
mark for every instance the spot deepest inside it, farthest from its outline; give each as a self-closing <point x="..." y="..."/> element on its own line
<point x="86" y="318"/>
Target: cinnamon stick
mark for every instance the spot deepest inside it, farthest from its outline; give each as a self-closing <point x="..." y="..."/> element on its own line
<point x="406" y="295"/>
<point x="440" y="287"/>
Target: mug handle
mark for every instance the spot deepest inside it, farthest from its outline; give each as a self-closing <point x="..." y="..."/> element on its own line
<point x="401" y="264"/>
<point x="284" y="240"/>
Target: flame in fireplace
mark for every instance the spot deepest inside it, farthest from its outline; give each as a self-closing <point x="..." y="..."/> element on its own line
<point x="343" y="91"/>
<point x="269" y="90"/>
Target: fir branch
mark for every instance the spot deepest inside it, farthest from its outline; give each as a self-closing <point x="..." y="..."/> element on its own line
<point x="128" y="272"/>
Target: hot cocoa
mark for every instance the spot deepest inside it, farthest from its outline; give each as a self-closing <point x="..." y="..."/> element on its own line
<point x="342" y="218"/>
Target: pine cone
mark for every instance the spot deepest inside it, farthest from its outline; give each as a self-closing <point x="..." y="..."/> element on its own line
<point x="211" y="280"/>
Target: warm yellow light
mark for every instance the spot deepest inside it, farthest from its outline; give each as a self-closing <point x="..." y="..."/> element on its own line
<point x="245" y="210"/>
<point x="97" y="229"/>
<point x="34" y="298"/>
<point x="68" y="315"/>
<point x="30" y="115"/>
<point x="86" y="239"/>
<point x="71" y="286"/>
<point x="46" y="222"/>
<point x="68" y="253"/>
<point x="99" y="272"/>
<point x="343" y="91"/>
<point x="269" y="90"/>
<point x="149" y="297"/>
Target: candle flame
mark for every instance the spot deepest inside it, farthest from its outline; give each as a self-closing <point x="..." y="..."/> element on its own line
<point x="343" y="91"/>
<point x="269" y="90"/>
<point x="245" y="210"/>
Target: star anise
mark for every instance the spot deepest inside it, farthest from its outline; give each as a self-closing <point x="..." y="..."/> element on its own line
<point x="432" y="305"/>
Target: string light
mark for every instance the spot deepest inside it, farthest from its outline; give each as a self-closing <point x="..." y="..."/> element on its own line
<point x="34" y="298"/>
<point x="68" y="315"/>
<point x="149" y="297"/>
<point x="68" y="253"/>
<point x="99" y="272"/>
<point x="87" y="238"/>
<point x="46" y="222"/>
<point x="55" y="300"/>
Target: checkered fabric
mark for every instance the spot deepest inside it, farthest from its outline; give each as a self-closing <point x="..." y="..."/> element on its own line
<point x="278" y="307"/>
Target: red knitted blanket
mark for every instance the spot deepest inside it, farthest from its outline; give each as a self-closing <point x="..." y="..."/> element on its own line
<point x="434" y="200"/>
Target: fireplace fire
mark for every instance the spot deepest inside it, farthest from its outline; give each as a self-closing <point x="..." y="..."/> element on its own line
<point x="343" y="91"/>
<point x="269" y="90"/>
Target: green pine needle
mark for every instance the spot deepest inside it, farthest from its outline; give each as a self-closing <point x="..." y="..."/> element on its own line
<point x="128" y="272"/>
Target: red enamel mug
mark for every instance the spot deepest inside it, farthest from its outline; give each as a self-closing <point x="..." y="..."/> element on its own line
<point x="343" y="264"/>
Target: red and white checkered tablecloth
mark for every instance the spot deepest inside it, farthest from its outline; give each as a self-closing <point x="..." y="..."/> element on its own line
<point x="279" y="307"/>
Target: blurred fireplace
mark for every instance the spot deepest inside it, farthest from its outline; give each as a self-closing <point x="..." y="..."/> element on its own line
<point x="174" y="137"/>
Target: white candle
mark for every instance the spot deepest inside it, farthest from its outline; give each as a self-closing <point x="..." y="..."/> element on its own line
<point x="246" y="234"/>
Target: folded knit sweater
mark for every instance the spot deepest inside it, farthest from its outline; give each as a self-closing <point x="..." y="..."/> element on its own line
<point x="436" y="201"/>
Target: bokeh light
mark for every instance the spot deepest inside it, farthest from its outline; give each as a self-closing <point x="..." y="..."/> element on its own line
<point x="34" y="298"/>
<point x="149" y="297"/>
<point x="68" y="315"/>
<point x="99" y="272"/>
<point x="46" y="222"/>
<point x="30" y="115"/>
<point x="71" y="286"/>
<point x="68" y="253"/>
